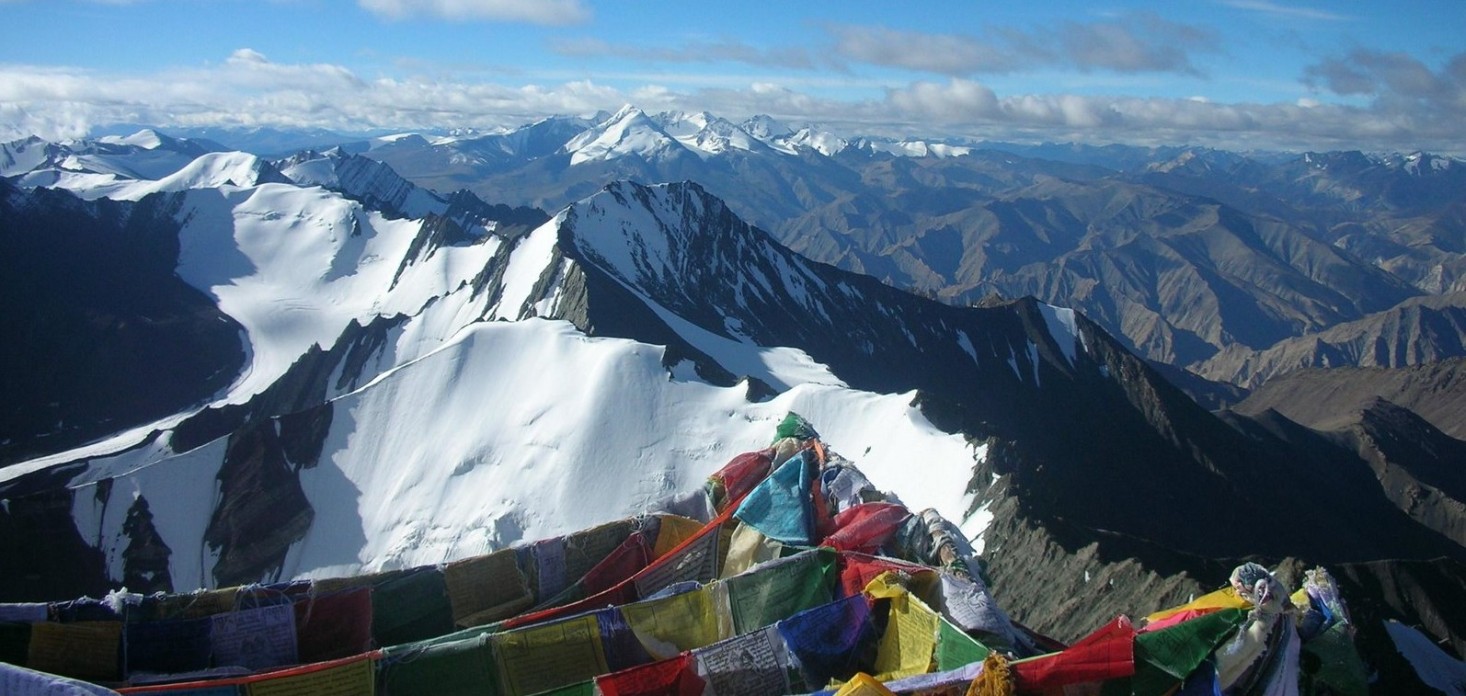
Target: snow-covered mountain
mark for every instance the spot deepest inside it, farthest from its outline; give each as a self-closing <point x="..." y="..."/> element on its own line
<point x="407" y="391"/>
<point x="146" y="154"/>
<point x="374" y="364"/>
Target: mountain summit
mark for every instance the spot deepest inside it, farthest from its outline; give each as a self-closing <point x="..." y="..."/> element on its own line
<point x="413" y="391"/>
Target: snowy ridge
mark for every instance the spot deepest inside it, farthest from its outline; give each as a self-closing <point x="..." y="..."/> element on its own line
<point x="705" y="133"/>
<point x="146" y="154"/>
<point x="296" y="267"/>
<point x="363" y="178"/>
<point x="681" y="241"/>
<point x="519" y="457"/>
<point x="463" y="436"/>
<point x="209" y="171"/>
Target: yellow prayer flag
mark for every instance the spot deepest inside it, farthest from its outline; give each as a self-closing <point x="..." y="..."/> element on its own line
<point x="674" y="530"/>
<point x="350" y="677"/>
<point x="910" y="639"/>
<point x="670" y="625"/>
<point x="1225" y="598"/>
<point x="863" y="684"/>
<point x="549" y="656"/>
<point x="84" y="649"/>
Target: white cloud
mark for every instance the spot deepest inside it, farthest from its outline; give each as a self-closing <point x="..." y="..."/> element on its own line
<point x="958" y="101"/>
<point x="248" y="88"/>
<point x="531" y="11"/>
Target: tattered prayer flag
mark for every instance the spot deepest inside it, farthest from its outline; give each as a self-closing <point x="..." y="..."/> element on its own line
<point x="910" y="638"/>
<point x="460" y="668"/>
<point x="1108" y="653"/>
<point x="795" y="426"/>
<point x="780" y="588"/>
<point x="968" y="604"/>
<point x="867" y="527"/>
<point x="84" y="650"/>
<point x="673" y="531"/>
<point x="1177" y="618"/>
<point x="624" y="561"/>
<point x="857" y="570"/>
<point x="753" y="663"/>
<point x="255" y="638"/>
<point x="671" y="677"/>
<point x="411" y="607"/>
<point x="748" y="547"/>
<point x="334" y="626"/>
<point x="953" y="682"/>
<point x="671" y="625"/>
<point x="745" y="471"/>
<point x="548" y="656"/>
<point x="831" y="641"/>
<point x="697" y="560"/>
<point x="780" y="506"/>
<point x="623" y="649"/>
<point x="487" y="588"/>
<point x="1225" y="598"/>
<point x="1339" y="666"/>
<point x="352" y="676"/>
<point x="585" y="549"/>
<point x="549" y="560"/>
<point x="166" y="647"/>
<point x="1164" y="657"/>
<point x="198" y="604"/>
<point x="955" y="648"/>
<point x="863" y="684"/>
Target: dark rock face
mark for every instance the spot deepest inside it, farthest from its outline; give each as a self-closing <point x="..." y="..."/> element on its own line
<point x="89" y="289"/>
<point x="145" y="560"/>
<point x="45" y="556"/>
<point x="262" y="509"/>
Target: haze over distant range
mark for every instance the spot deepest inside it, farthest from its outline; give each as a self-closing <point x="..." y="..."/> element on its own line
<point x="1237" y="74"/>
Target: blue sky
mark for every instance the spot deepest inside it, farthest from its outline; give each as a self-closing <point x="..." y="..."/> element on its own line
<point x="1228" y="73"/>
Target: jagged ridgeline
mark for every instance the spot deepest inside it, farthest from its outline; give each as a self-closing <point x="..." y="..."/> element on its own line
<point x="401" y="379"/>
<point x="787" y="572"/>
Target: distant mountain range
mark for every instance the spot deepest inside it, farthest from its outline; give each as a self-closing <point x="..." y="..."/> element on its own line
<point x="371" y="374"/>
<point x="1181" y="252"/>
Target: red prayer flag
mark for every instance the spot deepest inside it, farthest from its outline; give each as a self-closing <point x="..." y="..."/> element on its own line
<point x="673" y="677"/>
<point x="1108" y="653"/>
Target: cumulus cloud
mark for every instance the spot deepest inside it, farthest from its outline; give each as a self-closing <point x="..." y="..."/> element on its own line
<point x="249" y="89"/>
<point x="1404" y="91"/>
<point x="957" y="101"/>
<point x="530" y="11"/>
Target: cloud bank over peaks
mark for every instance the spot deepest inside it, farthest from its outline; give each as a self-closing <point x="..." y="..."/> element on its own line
<point x="1382" y="101"/>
